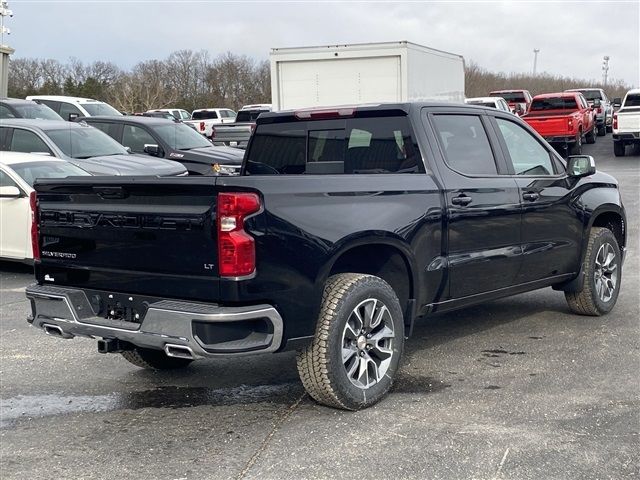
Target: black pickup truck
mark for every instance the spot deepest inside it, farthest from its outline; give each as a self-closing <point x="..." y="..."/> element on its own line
<point x="344" y="226"/>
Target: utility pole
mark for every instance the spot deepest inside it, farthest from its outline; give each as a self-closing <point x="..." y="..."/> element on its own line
<point x="5" y="50"/>
<point x="605" y="70"/>
<point x="535" y="60"/>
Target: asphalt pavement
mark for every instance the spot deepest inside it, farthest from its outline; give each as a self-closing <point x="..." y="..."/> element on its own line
<point x="518" y="388"/>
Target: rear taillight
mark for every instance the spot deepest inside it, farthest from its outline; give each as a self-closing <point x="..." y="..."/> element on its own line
<point x="236" y="248"/>
<point x="35" y="245"/>
<point x="599" y="110"/>
<point x="615" y="121"/>
<point x="202" y="126"/>
<point x="570" y="123"/>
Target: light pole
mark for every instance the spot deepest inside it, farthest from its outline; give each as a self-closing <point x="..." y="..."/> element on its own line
<point x="5" y="50"/>
<point x="535" y="60"/>
<point x="605" y="69"/>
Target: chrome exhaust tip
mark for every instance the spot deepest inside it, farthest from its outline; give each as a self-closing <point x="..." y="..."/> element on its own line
<point x="55" y="331"/>
<point x="179" y="351"/>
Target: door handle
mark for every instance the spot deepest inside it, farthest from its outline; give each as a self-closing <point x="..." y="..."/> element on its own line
<point x="531" y="196"/>
<point x="461" y="200"/>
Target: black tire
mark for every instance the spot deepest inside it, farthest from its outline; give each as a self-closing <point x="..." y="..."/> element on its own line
<point x="154" y="359"/>
<point x="576" y="148"/>
<point x="609" y="128"/>
<point x="619" y="149"/>
<point x="590" y="137"/>
<point x="589" y="300"/>
<point x="602" y="129"/>
<point x="322" y="367"/>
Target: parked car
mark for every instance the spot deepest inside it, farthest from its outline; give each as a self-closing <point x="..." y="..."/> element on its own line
<point x="205" y="118"/>
<point x="70" y="108"/>
<point x="518" y="100"/>
<point x="237" y="134"/>
<point x="177" y="113"/>
<point x="18" y="172"/>
<point x="563" y="119"/>
<point x="82" y="145"/>
<point x="345" y="225"/>
<point x="603" y="107"/>
<point x="498" y="103"/>
<point x="18" y="108"/>
<point x="172" y="140"/>
<point x="626" y="122"/>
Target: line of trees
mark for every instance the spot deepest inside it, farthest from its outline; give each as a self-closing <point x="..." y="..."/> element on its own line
<point x="189" y="79"/>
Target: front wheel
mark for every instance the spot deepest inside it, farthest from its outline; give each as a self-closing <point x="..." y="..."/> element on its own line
<point x="602" y="129"/>
<point x="602" y="275"/>
<point x="576" y="148"/>
<point x="358" y="343"/>
<point x="590" y="137"/>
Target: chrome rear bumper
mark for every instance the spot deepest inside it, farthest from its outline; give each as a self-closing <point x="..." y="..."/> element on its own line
<point x="173" y="326"/>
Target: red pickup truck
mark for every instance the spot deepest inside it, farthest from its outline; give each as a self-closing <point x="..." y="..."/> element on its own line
<point x="563" y="119"/>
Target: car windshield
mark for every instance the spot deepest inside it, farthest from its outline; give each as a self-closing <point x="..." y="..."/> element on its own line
<point x="85" y="142"/>
<point x="37" y="111"/>
<point x="632" y="100"/>
<point x="181" y="137"/>
<point x="510" y="97"/>
<point x="29" y="171"/>
<point x="95" y="109"/>
<point x="591" y="94"/>
<point x="554" y="103"/>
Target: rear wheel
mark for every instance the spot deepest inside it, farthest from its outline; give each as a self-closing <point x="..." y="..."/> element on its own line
<point x="602" y="129"/>
<point x="602" y="275"/>
<point x="618" y="149"/>
<point x="358" y="343"/>
<point x="590" y="137"/>
<point x="154" y="359"/>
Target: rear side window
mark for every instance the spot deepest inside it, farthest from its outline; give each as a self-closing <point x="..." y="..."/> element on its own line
<point x="27" y="142"/>
<point x="351" y="146"/>
<point x="52" y="104"/>
<point x="110" y="129"/>
<point x="465" y="144"/>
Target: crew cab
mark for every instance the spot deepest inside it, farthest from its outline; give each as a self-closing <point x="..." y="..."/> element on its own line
<point x="626" y="122"/>
<point x="602" y="106"/>
<point x="238" y="133"/>
<point x="345" y="225"/>
<point x="563" y="119"/>
<point x="70" y="108"/>
<point x="204" y="119"/>
<point x="518" y="100"/>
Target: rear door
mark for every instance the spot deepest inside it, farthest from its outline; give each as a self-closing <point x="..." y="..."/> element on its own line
<point x="551" y="230"/>
<point x="483" y="207"/>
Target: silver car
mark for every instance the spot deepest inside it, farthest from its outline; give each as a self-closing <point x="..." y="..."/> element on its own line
<point x="604" y="111"/>
<point x="83" y="145"/>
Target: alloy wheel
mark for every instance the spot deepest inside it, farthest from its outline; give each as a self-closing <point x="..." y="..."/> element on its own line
<point x="606" y="272"/>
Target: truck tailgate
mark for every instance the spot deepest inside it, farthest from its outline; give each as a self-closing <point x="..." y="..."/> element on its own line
<point x="549" y="125"/>
<point x="629" y="121"/>
<point x="135" y="235"/>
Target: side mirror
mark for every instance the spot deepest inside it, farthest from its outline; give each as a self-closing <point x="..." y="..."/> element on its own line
<point x="10" y="192"/>
<point x="617" y="102"/>
<point x="128" y="149"/>
<point x="73" y="116"/>
<point x="152" y="149"/>
<point x="581" y="165"/>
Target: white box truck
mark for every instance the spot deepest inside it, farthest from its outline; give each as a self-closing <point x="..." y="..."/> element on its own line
<point x="364" y="73"/>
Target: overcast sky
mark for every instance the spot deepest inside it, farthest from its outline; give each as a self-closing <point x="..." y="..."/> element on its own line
<point x="500" y="36"/>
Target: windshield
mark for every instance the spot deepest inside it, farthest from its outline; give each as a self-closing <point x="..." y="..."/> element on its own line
<point x="510" y="97"/>
<point x="248" y="115"/>
<point x="85" y="142"/>
<point x="181" y="137"/>
<point x="591" y="94"/>
<point x="632" y="100"/>
<point x="29" y="171"/>
<point x="95" y="109"/>
<point x="554" y="103"/>
<point x="37" y="111"/>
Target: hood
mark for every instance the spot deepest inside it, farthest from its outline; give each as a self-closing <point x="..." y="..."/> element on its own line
<point x="209" y="155"/>
<point x="130" y="165"/>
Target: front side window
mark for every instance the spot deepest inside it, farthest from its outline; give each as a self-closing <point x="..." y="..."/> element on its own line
<point x="136" y="138"/>
<point x="6" y="181"/>
<point x="27" y="142"/>
<point x="351" y="146"/>
<point x="465" y="144"/>
<point x="528" y="155"/>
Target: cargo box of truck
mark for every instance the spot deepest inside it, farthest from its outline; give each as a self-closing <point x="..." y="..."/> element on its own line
<point x="364" y="73"/>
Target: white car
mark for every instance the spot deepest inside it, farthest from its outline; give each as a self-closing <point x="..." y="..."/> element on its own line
<point x="204" y="119"/>
<point x="71" y="108"/>
<point x="18" y="172"/>
<point x="178" y="113"/>
<point x="498" y="103"/>
<point x="626" y="122"/>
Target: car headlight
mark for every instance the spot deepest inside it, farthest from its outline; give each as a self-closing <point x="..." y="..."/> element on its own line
<point x="224" y="169"/>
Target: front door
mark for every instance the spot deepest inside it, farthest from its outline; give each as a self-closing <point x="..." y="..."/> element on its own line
<point x="15" y="222"/>
<point x="483" y="207"/>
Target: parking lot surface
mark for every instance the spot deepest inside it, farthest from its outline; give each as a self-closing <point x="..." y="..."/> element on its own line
<point x="518" y="388"/>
